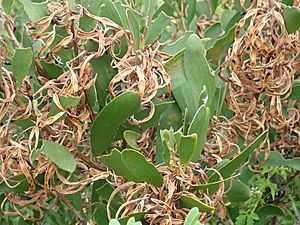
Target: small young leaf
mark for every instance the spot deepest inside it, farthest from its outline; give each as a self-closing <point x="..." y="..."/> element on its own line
<point x="59" y="154"/>
<point x="192" y="217"/>
<point x="186" y="148"/>
<point x="131" y="138"/>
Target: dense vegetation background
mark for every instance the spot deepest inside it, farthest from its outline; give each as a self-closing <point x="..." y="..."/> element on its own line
<point x="149" y="112"/>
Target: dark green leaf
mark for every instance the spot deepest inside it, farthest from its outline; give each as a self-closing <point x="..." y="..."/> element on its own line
<point x="291" y="16"/>
<point x="295" y="94"/>
<point x="266" y="212"/>
<point x="239" y="192"/>
<point x="111" y="117"/>
<point x="276" y="159"/>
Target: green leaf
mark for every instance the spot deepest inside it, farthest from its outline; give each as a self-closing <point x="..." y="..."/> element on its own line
<point x="157" y="27"/>
<point x="192" y="217"/>
<point x="52" y="71"/>
<point x="276" y="159"/>
<point x="291" y="16"/>
<point x="132" y="165"/>
<point x="131" y="138"/>
<point x="221" y="45"/>
<point x="110" y="11"/>
<point x="35" y="11"/>
<point x="134" y="28"/>
<point x="199" y="125"/>
<point x="266" y="212"/>
<point x="59" y="154"/>
<point x="239" y="192"/>
<point x="21" y="64"/>
<point x="111" y="117"/>
<point x="114" y="222"/>
<point x="174" y="67"/>
<point x="18" y="179"/>
<point x="197" y="70"/>
<point x="66" y="102"/>
<point x="186" y="148"/>
<point x="229" y="168"/>
<point x="137" y="216"/>
<point x="115" y="162"/>
<point x="191" y="11"/>
<point x="295" y="94"/>
<point x="189" y="202"/>
<point x="140" y="167"/>
<point x="7" y="5"/>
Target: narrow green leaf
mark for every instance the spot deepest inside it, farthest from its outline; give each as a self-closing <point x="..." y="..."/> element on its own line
<point x="21" y="64"/>
<point x="131" y="138"/>
<point x="134" y="28"/>
<point x="35" y="11"/>
<point x="158" y="26"/>
<point x="291" y="16"/>
<point x="199" y="125"/>
<point x="191" y="10"/>
<point x="189" y="202"/>
<point x="197" y="70"/>
<point x="111" y="117"/>
<point x="295" y="94"/>
<point x="186" y="148"/>
<point x="59" y="154"/>
<point x="229" y="168"/>
<point x="110" y="11"/>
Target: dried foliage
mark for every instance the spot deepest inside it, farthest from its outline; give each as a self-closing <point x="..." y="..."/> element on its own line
<point x="263" y="62"/>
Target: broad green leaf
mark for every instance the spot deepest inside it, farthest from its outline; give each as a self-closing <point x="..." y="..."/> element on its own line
<point x="192" y="217"/>
<point x="213" y="4"/>
<point x="132" y="165"/>
<point x="177" y="46"/>
<point x="197" y="70"/>
<point x="131" y="138"/>
<point x="291" y="16"/>
<point x="227" y="15"/>
<point x="110" y="11"/>
<point x="59" y="154"/>
<point x="174" y="67"/>
<point x="35" y="11"/>
<point x="157" y="27"/>
<point x="266" y="212"/>
<point x="18" y="184"/>
<point x="276" y="159"/>
<point x="140" y="167"/>
<point x="199" y="125"/>
<point x="115" y="162"/>
<point x="295" y="94"/>
<point x="229" y="168"/>
<point x="239" y="192"/>
<point x="111" y="117"/>
<point x="190" y="202"/>
<point x="21" y="64"/>
<point x="134" y="28"/>
<point x="186" y="148"/>
<point x="52" y="71"/>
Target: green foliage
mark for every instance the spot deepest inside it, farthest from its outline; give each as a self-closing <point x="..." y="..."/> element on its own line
<point x="122" y="109"/>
